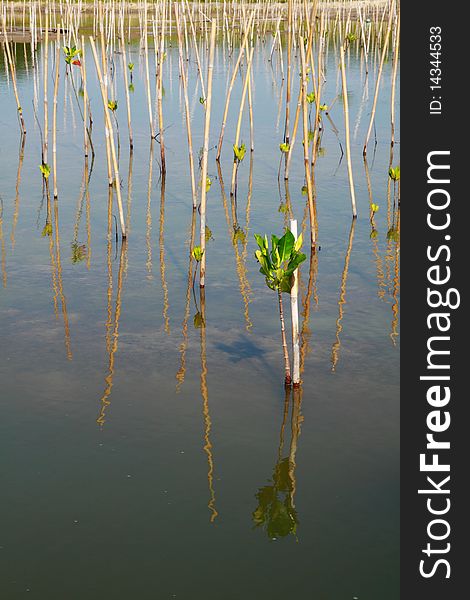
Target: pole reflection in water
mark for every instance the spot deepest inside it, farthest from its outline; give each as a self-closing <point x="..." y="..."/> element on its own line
<point x="17" y="192"/>
<point x="276" y="512"/>
<point x="180" y="375"/>
<point x="113" y="345"/>
<point x="166" y="304"/>
<point x="236" y="234"/>
<point x="149" y="215"/>
<point x="201" y="324"/>
<point x="2" y="244"/>
<point x="335" y="350"/>
<point x="381" y="285"/>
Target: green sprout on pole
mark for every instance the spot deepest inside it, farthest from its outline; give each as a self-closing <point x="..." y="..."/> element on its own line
<point x="278" y="264"/>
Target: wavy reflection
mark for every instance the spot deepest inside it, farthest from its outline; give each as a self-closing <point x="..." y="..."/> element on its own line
<point x="113" y="345"/>
<point x="335" y="350"/>
<point x="276" y="512"/>
<point x="205" y="407"/>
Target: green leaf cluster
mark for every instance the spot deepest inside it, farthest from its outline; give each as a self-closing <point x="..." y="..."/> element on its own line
<point x="239" y="152"/>
<point x="197" y="253"/>
<point x="284" y="147"/>
<point x="279" y="263"/>
<point x="45" y="170"/>
<point x="70" y="53"/>
<point x="394" y="173"/>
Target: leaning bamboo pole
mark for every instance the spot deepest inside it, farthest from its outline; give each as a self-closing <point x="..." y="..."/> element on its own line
<point x="308" y="177"/>
<point x="379" y="77"/>
<point x="186" y="107"/>
<point x="239" y="121"/>
<point x="205" y="152"/>
<point x="346" y="127"/>
<point x="394" y="78"/>
<point x="111" y="138"/>
<point x="126" y="83"/>
<point x="54" y="117"/>
<point x="13" y="77"/>
<point x="232" y="81"/>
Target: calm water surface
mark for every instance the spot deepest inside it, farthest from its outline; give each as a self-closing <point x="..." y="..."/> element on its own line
<point x="144" y="457"/>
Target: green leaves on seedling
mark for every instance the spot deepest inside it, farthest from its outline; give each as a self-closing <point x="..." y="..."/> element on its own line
<point x="351" y="37"/>
<point x="130" y="66"/>
<point x="112" y="105"/>
<point x="45" y="170"/>
<point x="239" y="152"/>
<point x="131" y="88"/>
<point x="374" y="207"/>
<point x="283" y="208"/>
<point x="394" y="173"/>
<point x="373" y="234"/>
<point x="197" y="253"/>
<point x="311" y="97"/>
<point x="393" y="234"/>
<point x="279" y="263"/>
<point x="323" y="107"/>
<point x="202" y="100"/>
<point x="284" y="147"/>
<point x="304" y="190"/>
<point x="47" y="231"/>
<point x="70" y="54"/>
<point x="208" y="183"/>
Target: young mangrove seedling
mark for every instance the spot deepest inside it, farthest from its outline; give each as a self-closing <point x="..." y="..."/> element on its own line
<point x="394" y="173"/>
<point x="239" y="152"/>
<point x="278" y="266"/>
<point x="284" y="147"/>
<point x="45" y="170"/>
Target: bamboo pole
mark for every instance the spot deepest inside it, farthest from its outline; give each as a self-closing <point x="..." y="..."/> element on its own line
<point x="205" y="152"/>
<point x="239" y="122"/>
<point x="308" y="177"/>
<point x="394" y="79"/>
<point x="186" y="107"/>
<point x="54" y="117"/>
<point x="295" y="317"/>
<point x="85" y="99"/>
<point x="379" y="76"/>
<point x="346" y="127"/>
<point x="126" y="83"/>
<point x="13" y="77"/>
<point x="232" y="81"/>
<point x="111" y="139"/>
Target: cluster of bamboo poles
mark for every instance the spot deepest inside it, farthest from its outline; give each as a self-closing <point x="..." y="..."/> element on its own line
<point x="299" y="33"/>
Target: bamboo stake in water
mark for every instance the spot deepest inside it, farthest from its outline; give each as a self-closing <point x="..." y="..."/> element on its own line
<point x="54" y="117"/>
<point x="232" y="81"/>
<point x="205" y="152"/>
<point x="379" y="76"/>
<point x="46" y="78"/>
<point x="111" y="139"/>
<point x="295" y="318"/>
<point x="394" y="78"/>
<point x="346" y="127"/>
<point x="186" y="108"/>
<point x="13" y="77"/>
<point x="85" y="100"/>
<point x="126" y="83"/>
<point x="308" y="177"/>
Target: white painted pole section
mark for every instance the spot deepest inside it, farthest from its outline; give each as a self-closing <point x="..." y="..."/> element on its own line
<point x="294" y="306"/>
